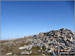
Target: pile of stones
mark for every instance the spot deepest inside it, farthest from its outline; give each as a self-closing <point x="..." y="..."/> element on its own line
<point x="54" y="40"/>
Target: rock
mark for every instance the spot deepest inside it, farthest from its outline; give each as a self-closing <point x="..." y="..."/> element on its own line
<point x="9" y="53"/>
<point x="26" y="47"/>
<point x="26" y="52"/>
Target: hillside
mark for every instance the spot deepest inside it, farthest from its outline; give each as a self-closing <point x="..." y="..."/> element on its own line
<point x="46" y="43"/>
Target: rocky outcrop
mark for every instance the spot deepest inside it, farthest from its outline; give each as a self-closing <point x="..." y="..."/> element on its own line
<point x="45" y="43"/>
<point x="62" y="39"/>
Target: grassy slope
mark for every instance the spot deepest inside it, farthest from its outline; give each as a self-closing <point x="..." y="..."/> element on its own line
<point x="14" y="47"/>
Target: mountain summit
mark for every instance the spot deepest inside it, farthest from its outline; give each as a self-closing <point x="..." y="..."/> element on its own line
<point x="53" y="42"/>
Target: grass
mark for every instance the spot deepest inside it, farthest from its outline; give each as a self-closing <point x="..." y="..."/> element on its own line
<point x="14" y="48"/>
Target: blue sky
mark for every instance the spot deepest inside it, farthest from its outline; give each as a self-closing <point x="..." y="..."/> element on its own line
<point x="19" y="19"/>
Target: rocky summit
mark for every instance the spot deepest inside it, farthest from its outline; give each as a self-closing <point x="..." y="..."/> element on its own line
<point x="55" y="42"/>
